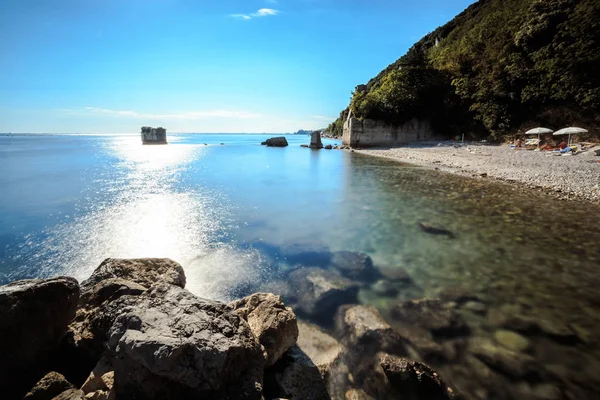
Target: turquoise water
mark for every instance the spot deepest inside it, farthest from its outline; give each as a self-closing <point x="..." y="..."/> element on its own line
<point x="224" y="207"/>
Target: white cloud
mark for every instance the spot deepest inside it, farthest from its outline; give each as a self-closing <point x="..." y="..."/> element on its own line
<point x="184" y="115"/>
<point x="263" y="12"/>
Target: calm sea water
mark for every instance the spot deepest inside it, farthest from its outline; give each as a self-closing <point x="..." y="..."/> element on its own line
<point x="224" y="207"/>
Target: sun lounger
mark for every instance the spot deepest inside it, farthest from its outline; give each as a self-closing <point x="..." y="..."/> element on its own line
<point x="532" y="142"/>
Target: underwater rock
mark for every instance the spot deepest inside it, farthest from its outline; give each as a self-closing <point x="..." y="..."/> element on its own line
<point x="51" y="385"/>
<point x="273" y="324"/>
<point x="435" y="230"/>
<point x="395" y="274"/>
<point x="510" y="363"/>
<point x="307" y="254"/>
<point x="35" y="315"/>
<point x="321" y="292"/>
<point x="431" y="315"/>
<point x="511" y="340"/>
<point x="353" y="265"/>
<point x="385" y="288"/>
<point x="169" y="344"/>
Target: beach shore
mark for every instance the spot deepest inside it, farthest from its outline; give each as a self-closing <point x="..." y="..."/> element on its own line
<point x="568" y="177"/>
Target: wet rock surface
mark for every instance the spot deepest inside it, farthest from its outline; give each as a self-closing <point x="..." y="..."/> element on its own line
<point x="353" y="265"/>
<point x="35" y="315"/>
<point x="431" y="315"/>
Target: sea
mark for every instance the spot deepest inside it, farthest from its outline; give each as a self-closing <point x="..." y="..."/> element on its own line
<point x="231" y="212"/>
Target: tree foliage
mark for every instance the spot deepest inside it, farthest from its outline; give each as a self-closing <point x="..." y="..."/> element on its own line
<point x="497" y="65"/>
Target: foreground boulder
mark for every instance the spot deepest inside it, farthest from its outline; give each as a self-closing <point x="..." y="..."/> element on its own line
<point x="169" y="344"/>
<point x="50" y="386"/>
<point x="321" y="292"/>
<point x="35" y="315"/>
<point x="112" y="279"/>
<point x="273" y="324"/>
<point x="143" y="271"/>
<point x="276" y="142"/>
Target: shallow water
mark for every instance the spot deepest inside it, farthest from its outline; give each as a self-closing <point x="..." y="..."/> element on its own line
<point x="224" y="207"/>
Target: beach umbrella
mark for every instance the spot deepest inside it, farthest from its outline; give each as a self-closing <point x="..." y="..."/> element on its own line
<point x="538" y="131"/>
<point x="570" y="131"/>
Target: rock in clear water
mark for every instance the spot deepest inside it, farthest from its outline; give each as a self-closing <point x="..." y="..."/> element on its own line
<point x="385" y="288"/>
<point x="431" y="315"/>
<point x="34" y="319"/>
<point x="511" y="340"/>
<point x="315" y="140"/>
<point x="353" y="265"/>
<point x="413" y="380"/>
<point x="510" y="363"/>
<point x="273" y="324"/>
<point x="395" y="274"/>
<point x="170" y="344"/>
<point x="321" y="292"/>
<point x="277" y="142"/>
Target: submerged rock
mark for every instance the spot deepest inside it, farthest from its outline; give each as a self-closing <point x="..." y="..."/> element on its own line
<point x="395" y="274"/>
<point x="51" y="385"/>
<point x="277" y="142"/>
<point x="35" y="315"/>
<point x="143" y="271"/>
<point x="321" y="292"/>
<point x="169" y="344"/>
<point x="273" y="324"/>
<point x="385" y="288"/>
<point x="510" y="363"/>
<point x="363" y="325"/>
<point x="431" y="315"/>
<point x="353" y="265"/>
<point x="511" y="340"/>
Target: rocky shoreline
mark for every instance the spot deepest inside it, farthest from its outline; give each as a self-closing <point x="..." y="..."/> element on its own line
<point x="132" y="331"/>
<point x="566" y="177"/>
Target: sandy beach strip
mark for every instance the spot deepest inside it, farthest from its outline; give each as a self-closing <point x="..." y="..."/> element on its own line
<point x="568" y="177"/>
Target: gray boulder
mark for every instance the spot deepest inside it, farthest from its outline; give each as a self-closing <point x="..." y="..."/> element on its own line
<point x="169" y="344"/>
<point x="431" y="315"/>
<point x="321" y="292"/>
<point x="273" y="324"/>
<point x="277" y="142"/>
<point x="143" y="271"/>
<point x="319" y="346"/>
<point x="35" y="315"/>
<point x="51" y="385"/>
<point x="353" y="265"/>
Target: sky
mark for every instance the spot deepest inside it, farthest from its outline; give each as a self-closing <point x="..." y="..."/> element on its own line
<point x="218" y="66"/>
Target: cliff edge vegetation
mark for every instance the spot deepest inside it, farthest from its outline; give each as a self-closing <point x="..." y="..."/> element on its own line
<point x="498" y="66"/>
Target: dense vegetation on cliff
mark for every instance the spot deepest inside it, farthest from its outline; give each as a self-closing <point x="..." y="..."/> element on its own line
<point x="495" y="67"/>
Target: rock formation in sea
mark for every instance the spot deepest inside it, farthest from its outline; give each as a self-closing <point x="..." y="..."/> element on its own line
<point x="315" y="140"/>
<point x="154" y="135"/>
<point x="132" y="331"/>
<point x="276" y="142"/>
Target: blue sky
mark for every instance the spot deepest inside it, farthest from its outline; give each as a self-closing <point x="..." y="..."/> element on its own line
<point x="111" y="66"/>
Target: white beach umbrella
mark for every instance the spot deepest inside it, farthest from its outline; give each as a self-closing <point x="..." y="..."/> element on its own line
<point x="570" y="131"/>
<point x="538" y="131"/>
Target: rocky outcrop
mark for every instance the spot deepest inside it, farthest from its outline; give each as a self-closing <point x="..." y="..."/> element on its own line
<point x="321" y="292"/>
<point x="35" y="315"/>
<point x="170" y="344"/>
<point x="273" y="324"/>
<point x="276" y="142"/>
<point x="51" y="385"/>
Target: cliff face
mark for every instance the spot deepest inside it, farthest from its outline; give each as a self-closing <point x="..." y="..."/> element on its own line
<point x="495" y="67"/>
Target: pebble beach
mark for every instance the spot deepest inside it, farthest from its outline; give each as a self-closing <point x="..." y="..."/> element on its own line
<point x="565" y="176"/>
